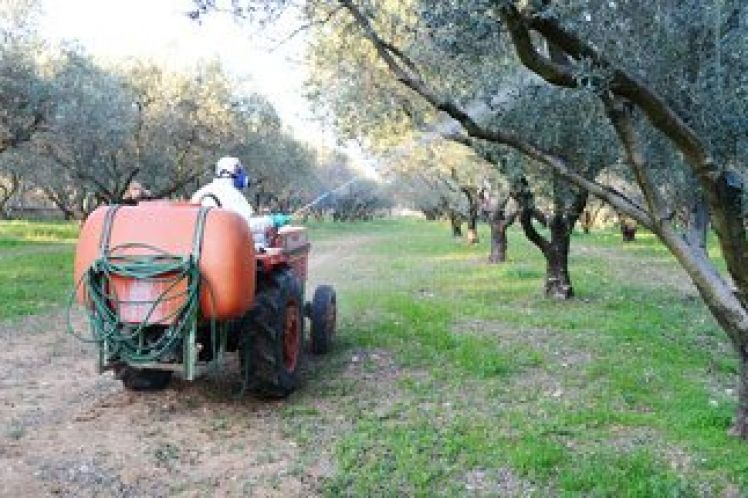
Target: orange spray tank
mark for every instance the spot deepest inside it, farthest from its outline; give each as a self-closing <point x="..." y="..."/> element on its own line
<point x="227" y="261"/>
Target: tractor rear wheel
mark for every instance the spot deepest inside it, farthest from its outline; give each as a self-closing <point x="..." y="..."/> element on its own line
<point x="323" y="316"/>
<point x="275" y="336"/>
<point x="137" y="379"/>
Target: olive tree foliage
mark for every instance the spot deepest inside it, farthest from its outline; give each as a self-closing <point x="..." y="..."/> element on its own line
<point x="104" y="127"/>
<point x="138" y="121"/>
<point x="24" y="102"/>
<point x="363" y="101"/>
<point x="182" y="121"/>
<point x="440" y="179"/>
<point x="420" y="192"/>
<point x="80" y="152"/>
<point x="282" y="168"/>
<point x="78" y="132"/>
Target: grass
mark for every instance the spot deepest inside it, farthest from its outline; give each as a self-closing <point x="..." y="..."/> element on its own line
<point x="35" y="266"/>
<point x="624" y="391"/>
<point x="22" y="232"/>
<point x="453" y="377"/>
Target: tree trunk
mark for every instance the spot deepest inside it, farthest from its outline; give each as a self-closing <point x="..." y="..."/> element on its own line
<point x="557" y="277"/>
<point x="561" y="224"/>
<point x="471" y="194"/>
<point x="628" y="230"/>
<point x="498" y="242"/>
<point x="499" y="223"/>
<point x="7" y="192"/>
<point x="740" y="426"/>
<point x="586" y="221"/>
<point x="472" y="228"/>
<point x="4" y="214"/>
<point x="556" y="252"/>
<point x="456" y="223"/>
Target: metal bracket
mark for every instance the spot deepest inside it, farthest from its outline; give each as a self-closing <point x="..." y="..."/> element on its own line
<point x="189" y="352"/>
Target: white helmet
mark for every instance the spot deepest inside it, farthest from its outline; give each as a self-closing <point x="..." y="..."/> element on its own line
<point x="231" y="167"/>
<point x="228" y="166"/>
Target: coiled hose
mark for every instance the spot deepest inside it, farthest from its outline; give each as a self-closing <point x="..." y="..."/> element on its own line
<point x="130" y="342"/>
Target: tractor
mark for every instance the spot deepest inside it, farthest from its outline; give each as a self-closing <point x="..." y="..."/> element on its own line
<point x="175" y="287"/>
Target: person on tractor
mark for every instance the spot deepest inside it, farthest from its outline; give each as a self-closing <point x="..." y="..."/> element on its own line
<point x="225" y="191"/>
<point x="226" y="188"/>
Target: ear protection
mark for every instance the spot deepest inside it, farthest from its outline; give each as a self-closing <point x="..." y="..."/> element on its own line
<point x="241" y="179"/>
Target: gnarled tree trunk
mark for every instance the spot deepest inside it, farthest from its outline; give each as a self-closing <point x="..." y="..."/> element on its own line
<point x="561" y="224"/>
<point x="557" y="278"/>
<point x="500" y="222"/>
<point x="7" y="191"/>
<point x="628" y="229"/>
<point x="740" y="425"/>
<point x="471" y="194"/>
<point x="455" y="221"/>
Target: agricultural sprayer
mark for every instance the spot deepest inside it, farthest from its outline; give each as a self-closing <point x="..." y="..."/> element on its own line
<point x="174" y="287"/>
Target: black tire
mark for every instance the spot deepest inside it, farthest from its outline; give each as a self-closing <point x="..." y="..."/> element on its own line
<point x="136" y="379"/>
<point x="274" y="337"/>
<point x="323" y="317"/>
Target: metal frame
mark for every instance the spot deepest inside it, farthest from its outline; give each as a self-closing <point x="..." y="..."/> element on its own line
<point x="190" y="367"/>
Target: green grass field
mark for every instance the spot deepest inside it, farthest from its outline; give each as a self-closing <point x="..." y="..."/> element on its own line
<point x="35" y="266"/>
<point x="624" y="391"/>
<point x="453" y="377"/>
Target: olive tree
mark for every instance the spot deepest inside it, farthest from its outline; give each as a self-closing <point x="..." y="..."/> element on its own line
<point x="24" y="100"/>
<point x="83" y="147"/>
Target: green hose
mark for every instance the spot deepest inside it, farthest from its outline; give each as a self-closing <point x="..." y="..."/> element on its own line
<point x="128" y="342"/>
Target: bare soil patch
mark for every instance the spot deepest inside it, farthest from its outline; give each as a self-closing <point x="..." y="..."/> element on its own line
<point x="70" y="432"/>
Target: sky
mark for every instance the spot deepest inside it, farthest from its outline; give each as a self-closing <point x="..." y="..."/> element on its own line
<point x="160" y="30"/>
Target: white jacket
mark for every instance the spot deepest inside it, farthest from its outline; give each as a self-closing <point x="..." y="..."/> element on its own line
<point x="228" y="196"/>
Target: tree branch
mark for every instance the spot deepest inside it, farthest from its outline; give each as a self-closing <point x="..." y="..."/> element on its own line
<point x="527" y="212"/>
<point x="552" y="72"/>
<point x="616" y="199"/>
<point x="476" y="131"/>
<point x="619" y="113"/>
<point x="304" y="27"/>
<point x="403" y="57"/>
<point x="170" y="190"/>
<point x="659" y="113"/>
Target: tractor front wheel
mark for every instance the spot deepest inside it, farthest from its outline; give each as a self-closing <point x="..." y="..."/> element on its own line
<point x="275" y="336"/>
<point x="323" y="315"/>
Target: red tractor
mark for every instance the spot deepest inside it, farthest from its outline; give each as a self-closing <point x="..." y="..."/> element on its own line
<point x="171" y="287"/>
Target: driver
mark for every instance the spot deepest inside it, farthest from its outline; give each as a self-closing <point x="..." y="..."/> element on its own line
<point x="226" y="188"/>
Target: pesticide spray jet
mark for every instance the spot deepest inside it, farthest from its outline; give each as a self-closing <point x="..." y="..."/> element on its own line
<point x="477" y="109"/>
<point x="325" y="196"/>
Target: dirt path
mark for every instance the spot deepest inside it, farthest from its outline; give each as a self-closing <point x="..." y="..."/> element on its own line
<point x="66" y="431"/>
